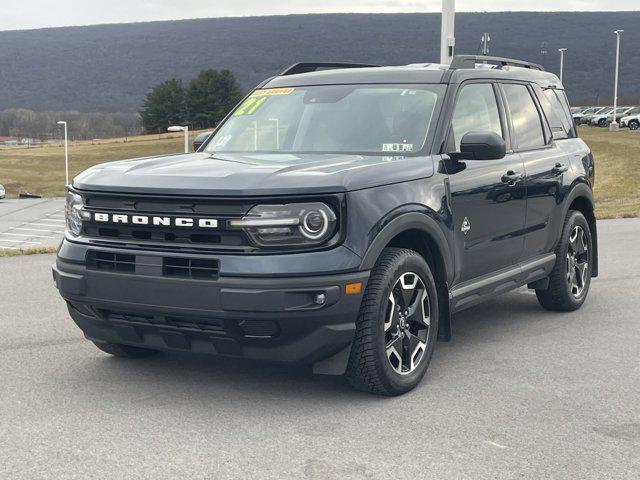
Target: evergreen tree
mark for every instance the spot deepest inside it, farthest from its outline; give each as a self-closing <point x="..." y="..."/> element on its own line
<point x="210" y="96"/>
<point x="164" y="106"/>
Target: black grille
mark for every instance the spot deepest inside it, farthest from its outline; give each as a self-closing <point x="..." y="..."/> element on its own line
<point x="196" y="324"/>
<point x="259" y="328"/>
<point x="176" y="267"/>
<point x="221" y="239"/>
<point x="190" y="268"/>
<point x="111" y="262"/>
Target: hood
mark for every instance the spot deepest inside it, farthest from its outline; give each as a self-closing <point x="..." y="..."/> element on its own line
<point x="252" y="175"/>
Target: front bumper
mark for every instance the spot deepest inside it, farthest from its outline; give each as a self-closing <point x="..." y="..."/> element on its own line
<point x="265" y="318"/>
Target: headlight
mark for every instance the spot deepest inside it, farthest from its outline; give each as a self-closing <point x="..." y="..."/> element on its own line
<point x="75" y="213"/>
<point x="302" y="224"/>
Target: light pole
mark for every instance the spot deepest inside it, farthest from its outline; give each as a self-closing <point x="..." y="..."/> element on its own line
<point x="562" y="50"/>
<point x="614" y="124"/>
<point x="186" y="135"/>
<point x="66" y="151"/>
<point x="448" y="35"/>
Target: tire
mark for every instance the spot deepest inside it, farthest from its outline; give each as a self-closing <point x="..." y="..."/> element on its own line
<point x="570" y="278"/>
<point x="125" y="351"/>
<point x="602" y="123"/>
<point x="375" y="366"/>
<point x="634" y="125"/>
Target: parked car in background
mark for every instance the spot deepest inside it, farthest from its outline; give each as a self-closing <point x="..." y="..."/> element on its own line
<point x="631" y="121"/>
<point x="2" y="192"/>
<point x="605" y="119"/>
<point x="586" y="116"/>
<point x="200" y="139"/>
<point x="629" y="112"/>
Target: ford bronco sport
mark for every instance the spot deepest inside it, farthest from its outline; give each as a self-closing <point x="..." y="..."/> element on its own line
<point x="337" y="218"/>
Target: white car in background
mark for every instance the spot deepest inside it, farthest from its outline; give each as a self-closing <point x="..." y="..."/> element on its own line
<point x="631" y="121"/>
<point x="605" y="118"/>
<point x="2" y="192"/>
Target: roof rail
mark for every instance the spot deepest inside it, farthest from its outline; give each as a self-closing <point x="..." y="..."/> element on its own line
<point x="307" y="67"/>
<point x="470" y="61"/>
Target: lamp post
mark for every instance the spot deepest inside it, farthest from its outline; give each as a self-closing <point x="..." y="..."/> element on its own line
<point x="562" y="50"/>
<point x="66" y="151"/>
<point x="447" y="35"/>
<point x="614" y="124"/>
<point x="186" y="135"/>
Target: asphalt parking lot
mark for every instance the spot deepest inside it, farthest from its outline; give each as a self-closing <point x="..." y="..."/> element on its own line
<point x="518" y="393"/>
<point x="31" y="223"/>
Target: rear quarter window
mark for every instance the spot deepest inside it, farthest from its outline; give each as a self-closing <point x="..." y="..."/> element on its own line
<point x="557" y="101"/>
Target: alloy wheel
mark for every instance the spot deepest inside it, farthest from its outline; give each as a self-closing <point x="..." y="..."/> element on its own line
<point x="407" y="323"/>
<point x="577" y="261"/>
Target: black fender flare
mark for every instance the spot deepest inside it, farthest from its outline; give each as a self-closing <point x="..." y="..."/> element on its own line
<point x="583" y="190"/>
<point x="423" y="221"/>
<point x="402" y="222"/>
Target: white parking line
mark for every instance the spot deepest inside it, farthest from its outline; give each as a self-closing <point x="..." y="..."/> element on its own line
<point x="9" y="248"/>
<point x="38" y="230"/>
<point x="20" y="241"/>
<point x="40" y="224"/>
<point x="25" y="235"/>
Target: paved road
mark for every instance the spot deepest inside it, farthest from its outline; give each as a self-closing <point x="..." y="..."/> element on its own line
<point x="31" y="223"/>
<point x="519" y="393"/>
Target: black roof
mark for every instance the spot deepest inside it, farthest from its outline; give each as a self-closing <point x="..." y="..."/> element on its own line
<point x="460" y="71"/>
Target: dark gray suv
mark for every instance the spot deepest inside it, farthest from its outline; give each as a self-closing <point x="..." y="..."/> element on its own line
<point x="338" y="218"/>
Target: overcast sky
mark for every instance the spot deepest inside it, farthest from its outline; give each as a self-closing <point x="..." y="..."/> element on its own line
<point x="23" y="14"/>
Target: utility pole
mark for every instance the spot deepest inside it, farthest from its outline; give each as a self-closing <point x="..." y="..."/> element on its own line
<point x="562" y="50"/>
<point x="66" y="152"/>
<point x="185" y="129"/>
<point x="447" y="36"/>
<point x="614" y="124"/>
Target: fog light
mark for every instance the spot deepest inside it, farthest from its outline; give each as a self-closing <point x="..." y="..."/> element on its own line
<point x="319" y="298"/>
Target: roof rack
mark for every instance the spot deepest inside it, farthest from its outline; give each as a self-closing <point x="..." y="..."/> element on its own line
<point x="307" y="67"/>
<point x="470" y="61"/>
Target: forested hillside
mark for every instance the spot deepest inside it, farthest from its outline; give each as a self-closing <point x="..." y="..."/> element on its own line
<point x="112" y="67"/>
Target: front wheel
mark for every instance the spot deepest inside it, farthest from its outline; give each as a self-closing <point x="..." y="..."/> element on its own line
<point x="397" y="325"/>
<point x="571" y="276"/>
<point x="634" y="125"/>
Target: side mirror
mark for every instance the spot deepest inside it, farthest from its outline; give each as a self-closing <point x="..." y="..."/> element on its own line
<point x="199" y="140"/>
<point x="482" y="146"/>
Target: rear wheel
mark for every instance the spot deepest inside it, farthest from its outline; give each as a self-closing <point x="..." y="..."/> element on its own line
<point x="602" y="123"/>
<point x="634" y="125"/>
<point x="571" y="277"/>
<point x="397" y="325"/>
<point x="125" y="351"/>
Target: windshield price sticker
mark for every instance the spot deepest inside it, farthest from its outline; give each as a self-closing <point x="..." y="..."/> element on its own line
<point x="269" y="92"/>
<point x="250" y="106"/>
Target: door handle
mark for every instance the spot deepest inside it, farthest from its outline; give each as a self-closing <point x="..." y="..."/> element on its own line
<point x="511" y="177"/>
<point x="559" y="169"/>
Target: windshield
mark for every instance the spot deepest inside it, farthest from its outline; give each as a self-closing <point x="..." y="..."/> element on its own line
<point x="373" y="119"/>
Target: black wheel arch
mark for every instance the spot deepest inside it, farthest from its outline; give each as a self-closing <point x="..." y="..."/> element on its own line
<point x="421" y="232"/>
<point x="580" y="198"/>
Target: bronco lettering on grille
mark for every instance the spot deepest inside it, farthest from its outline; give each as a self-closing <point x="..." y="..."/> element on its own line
<point x="155" y="221"/>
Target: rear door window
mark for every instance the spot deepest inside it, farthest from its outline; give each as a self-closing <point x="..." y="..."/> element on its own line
<point x="525" y="118"/>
